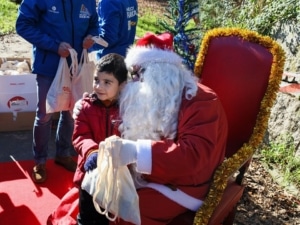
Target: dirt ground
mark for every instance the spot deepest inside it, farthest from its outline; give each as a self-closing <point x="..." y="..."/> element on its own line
<point x="263" y="202"/>
<point x="13" y="45"/>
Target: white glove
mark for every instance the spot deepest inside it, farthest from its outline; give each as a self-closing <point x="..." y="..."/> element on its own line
<point x="128" y="152"/>
<point x="123" y="152"/>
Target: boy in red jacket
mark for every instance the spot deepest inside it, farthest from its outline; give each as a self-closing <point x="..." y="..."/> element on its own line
<point x="97" y="119"/>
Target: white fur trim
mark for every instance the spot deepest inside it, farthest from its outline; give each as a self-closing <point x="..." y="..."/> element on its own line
<point x="144" y="156"/>
<point x="177" y="196"/>
<point x="139" y="56"/>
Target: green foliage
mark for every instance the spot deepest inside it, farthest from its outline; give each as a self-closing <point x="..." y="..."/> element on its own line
<point x="147" y="22"/>
<point x="259" y="15"/>
<point x="264" y="16"/>
<point x="8" y="16"/>
<point x="281" y="155"/>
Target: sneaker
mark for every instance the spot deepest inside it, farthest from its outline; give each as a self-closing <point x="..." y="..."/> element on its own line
<point x="39" y="174"/>
<point x="67" y="162"/>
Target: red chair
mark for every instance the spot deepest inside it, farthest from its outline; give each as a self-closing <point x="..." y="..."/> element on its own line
<point x="245" y="70"/>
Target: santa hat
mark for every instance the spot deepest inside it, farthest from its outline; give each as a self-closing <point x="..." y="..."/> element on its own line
<point x="152" y="49"/>
<point x="162" y="41"/>
<point x="142" y="56"/>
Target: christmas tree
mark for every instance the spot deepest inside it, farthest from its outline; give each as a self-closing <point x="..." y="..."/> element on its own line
<point x="182" y="18"/>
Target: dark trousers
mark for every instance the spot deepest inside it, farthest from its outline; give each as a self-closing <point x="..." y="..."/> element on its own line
<point x="88" y="215"/>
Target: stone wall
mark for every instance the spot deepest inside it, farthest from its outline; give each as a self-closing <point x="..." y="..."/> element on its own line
<point x="288" y="36"/>
<point x="285" y="119"/>
<point x="285" y="115"/>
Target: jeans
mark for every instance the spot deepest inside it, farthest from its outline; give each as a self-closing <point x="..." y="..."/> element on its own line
<point x="42" y="126"/>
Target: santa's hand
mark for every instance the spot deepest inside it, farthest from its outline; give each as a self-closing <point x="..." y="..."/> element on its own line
<point x="128" y="152"/>
<point x="122" y="151"/>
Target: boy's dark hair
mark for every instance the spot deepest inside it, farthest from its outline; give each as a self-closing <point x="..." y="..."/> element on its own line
<point x="115" y="64"/>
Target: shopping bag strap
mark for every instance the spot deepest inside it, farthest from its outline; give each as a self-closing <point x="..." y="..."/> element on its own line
<point x="84" y="58"/>
<point x="74" y="61"/>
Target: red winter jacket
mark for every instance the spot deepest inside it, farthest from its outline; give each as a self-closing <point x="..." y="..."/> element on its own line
<point x="93" y="124"/>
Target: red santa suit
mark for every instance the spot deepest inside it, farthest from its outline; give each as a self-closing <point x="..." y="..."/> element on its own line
<point x="185" y="164"/>
<point x="179" y="129"/>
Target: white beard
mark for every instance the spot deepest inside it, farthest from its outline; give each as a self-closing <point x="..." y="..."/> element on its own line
<point x="149" y="109"/>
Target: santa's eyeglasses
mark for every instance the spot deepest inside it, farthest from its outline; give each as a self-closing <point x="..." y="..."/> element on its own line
<point x="136" y="74"/>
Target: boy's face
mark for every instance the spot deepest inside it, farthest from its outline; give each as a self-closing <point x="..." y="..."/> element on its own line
<point x="106" y="86"/>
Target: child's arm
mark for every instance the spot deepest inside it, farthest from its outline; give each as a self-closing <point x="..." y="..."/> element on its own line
<point x="83" y="138"/>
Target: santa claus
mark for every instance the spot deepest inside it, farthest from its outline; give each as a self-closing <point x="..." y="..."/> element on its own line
<point x="173" y="130"/>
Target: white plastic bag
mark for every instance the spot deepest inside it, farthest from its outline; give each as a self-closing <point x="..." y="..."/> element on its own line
<point x="83" y="80"/>
<point x="59" y="94"/>
<point x="111" y="186"/>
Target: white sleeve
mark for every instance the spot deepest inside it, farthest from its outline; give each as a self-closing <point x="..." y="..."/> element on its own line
<point x="144" y="156"/>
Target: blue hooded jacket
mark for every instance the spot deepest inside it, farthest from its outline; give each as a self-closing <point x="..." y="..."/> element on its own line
<point x="46" y="23"/>
<point x="117" y="25"/>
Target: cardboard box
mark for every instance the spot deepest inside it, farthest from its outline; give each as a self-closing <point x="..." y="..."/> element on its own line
<point x="23" y="121"/>
<point x="18" y="93"/>
<point x="18" y="99"/>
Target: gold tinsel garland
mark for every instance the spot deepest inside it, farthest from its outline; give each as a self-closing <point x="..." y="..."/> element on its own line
<point x="233" y="163"/>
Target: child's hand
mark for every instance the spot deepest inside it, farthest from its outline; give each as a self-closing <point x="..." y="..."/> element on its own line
<point x="91" y="161"/>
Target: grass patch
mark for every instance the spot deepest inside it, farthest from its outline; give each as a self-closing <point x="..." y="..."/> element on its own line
<point x="148" y="22"/>
<point x="8" y="16"/>
<point x="280" y="156"/>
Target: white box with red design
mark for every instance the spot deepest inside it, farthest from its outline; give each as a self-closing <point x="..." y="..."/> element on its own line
<point x="18" y="99"/>
<point x="18" y="93"/>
